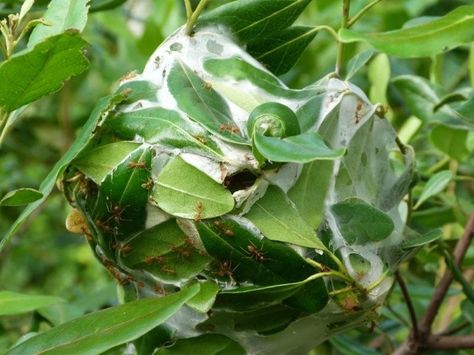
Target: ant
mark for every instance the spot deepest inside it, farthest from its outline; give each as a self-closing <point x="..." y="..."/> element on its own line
<point x="207" y="85"/>
<point x="147" y="185"/>
<point x="116" y="212"/>
<point x="137" y="165"/>
<point x="229" y="128"/>
<point x="103" y="225"/>
<point x="125" y="249"/>
<point x="200" y="138"/>
<point x="225" y="269"/>
<point x="358" y="115"/>
<point x="199" y="209"/>
<point x="168" y="270"/>
<point x="154" y="259"/>
<point x="255" y="253"/>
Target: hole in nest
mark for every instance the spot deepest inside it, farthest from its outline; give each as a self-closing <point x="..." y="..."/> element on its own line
<point x="240" y="181"/>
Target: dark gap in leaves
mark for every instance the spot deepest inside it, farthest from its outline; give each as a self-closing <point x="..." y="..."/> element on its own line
<point x="240" y="181"/>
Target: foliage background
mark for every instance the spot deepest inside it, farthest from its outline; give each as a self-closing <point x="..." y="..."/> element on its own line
<point x="45" y="259"/>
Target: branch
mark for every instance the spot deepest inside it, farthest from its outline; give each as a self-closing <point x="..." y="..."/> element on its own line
<point x="409" y="303"/>
<point x="443" y="286"/>
<point x="425" y="340"/>
<point x="441" y="342"/>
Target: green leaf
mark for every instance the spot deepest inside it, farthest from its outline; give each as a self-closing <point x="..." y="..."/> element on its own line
<point x="434" y="186"/>
<point x="242" y="256"/>
<point x="379" y="76"/>
<point x="246" y="298"/>
<point x="203" y="105"/>
<point x="309" y="192"/>
<point x="423" y="40"/>
<point x="302" y="148"/>
<point x="62" y="15"/>
<point x="204" y="300"/>
<point x="119" y="210"/>
<point x="451" y="140"/>
<point x="184" y="191"/>
<point x="20" y="197"/>
<point x="103" y="330"/>
<point x="253" y="19"/>
<point x="420" y="240"/>
<point x="280" y="51"/>
<point x="361" y="223"/>
<point x="166" y="252"/>
<point x="309" y="113"/>
<point x="274" y="215"/>
<point x="98" y="162"/>
<point x="236" y="68"/>
<point x="29" y="75"/>
<point x="104" y="106"/>
<point x="160" y="126"/>
<point x="357" y="62"/>
<point x="12" y="303"/>
<point x="449" y="99"/>
<point x="422" y="98"/>
<point x="208" y="344"/>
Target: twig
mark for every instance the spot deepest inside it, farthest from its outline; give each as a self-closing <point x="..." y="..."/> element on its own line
<point x="361" y="13"/>
<point x="409" y="304"/>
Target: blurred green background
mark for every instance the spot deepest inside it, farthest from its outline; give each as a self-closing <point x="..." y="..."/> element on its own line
<point x="46" y="259"/>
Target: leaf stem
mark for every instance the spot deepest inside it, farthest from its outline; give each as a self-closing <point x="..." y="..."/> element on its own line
<point x="3" y="124"/>
<point x="346" y="6"/>
<point x="194" y="17"/>
<point x="329" y="29"/>
<point x="362" y="12"/>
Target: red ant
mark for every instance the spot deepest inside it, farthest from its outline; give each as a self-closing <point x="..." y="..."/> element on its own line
<point x="225" y="269"/>
<point x="137" y="165"/>
<point x="229" y="128"/>
<point x="255" y="253"/>
<point x="154" y="259"/>
<point x="358" y="115"/>
<point x="199" y="209"/>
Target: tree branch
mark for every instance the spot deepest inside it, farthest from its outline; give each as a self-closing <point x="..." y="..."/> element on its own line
<point x="441" y="342"/>
<point x="443" y="286"/>
<point x="425" y="340"/>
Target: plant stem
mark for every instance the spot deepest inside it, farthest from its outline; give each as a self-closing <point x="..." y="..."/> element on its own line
<point x="195" y="15"/>
<point x="362" y="12"/>
<point x="189" y="9"/>
<point x="346" y="6"/>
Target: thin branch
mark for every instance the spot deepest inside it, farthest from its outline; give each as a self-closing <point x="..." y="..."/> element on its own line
<point x="443" y="286"/>
<point x="362" y="12"/>
<point x="409" y="304"/>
